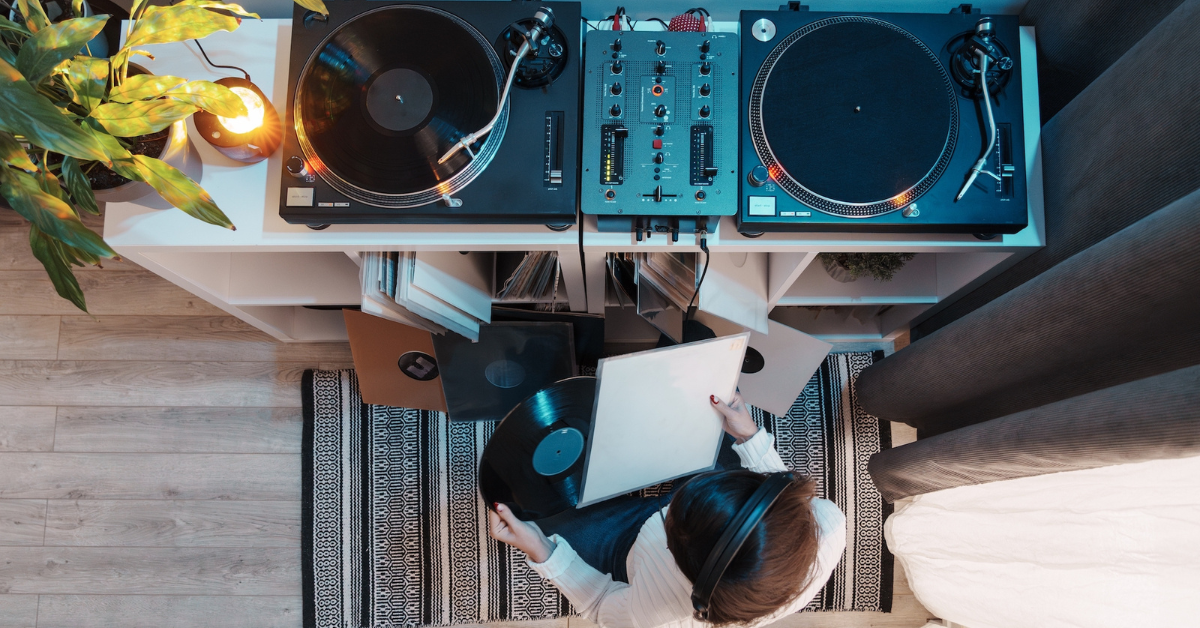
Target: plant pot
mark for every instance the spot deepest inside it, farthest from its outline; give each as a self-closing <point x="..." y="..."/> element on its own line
<point x="837" y="271"/>
<point x="178" y="152"/>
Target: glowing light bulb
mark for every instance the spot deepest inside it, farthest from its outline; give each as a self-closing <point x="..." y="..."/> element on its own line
<point x="255" y="109"/>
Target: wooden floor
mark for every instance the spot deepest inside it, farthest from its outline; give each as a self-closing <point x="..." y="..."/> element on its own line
<point x="150" y="459"/>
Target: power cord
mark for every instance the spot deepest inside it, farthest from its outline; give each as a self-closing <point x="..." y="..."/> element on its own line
<point x="216" y="65"/>
<point x="690" y="313"/>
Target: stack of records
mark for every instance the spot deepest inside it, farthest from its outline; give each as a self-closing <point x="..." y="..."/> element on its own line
<point x="532" y="279"/>
<point x="435" y="291"/>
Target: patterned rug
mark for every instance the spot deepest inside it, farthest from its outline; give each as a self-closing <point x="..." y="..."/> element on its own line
<point x="395" y="534"/>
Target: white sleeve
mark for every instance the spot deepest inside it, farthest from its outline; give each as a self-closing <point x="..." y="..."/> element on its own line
<point x="758" y="453"/>
<point x="596" y="596"/>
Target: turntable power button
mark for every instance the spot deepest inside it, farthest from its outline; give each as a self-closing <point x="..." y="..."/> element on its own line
<point x="296" y="167"/>
<point x="758" y="176"/>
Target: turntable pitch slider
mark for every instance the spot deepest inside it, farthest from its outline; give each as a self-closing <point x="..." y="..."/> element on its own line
<point x="543" y="21"/>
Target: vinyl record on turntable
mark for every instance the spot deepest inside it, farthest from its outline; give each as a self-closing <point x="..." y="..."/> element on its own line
<point x="389" y="92"/>
<point x="853" y="116"/>
<point x="534" y="461"/>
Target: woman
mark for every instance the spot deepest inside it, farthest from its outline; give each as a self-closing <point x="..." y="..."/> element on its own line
<point x="779" y="569"/>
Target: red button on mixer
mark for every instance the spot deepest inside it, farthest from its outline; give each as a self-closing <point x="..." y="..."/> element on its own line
<point x="657" y="144"/>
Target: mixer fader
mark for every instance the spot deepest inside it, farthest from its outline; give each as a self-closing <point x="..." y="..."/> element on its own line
<point x="660" y="125"/>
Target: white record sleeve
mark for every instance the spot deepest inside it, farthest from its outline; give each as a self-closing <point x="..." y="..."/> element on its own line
<point x="790" y="358"/>
<point x="653" y="421"/>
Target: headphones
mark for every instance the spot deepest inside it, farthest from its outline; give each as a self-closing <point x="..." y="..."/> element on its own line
<point x="735" y="534"/>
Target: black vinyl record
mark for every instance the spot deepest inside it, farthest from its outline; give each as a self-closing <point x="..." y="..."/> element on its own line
<point x="534" y="461"/>
<point x="387" y="94"/>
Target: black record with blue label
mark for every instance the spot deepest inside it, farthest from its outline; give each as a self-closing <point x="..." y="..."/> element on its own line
<point x="534" y="461"/>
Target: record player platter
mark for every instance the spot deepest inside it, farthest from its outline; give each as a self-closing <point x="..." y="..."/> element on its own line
<point x="853" y="116"/>
<point x="389" y="92"/>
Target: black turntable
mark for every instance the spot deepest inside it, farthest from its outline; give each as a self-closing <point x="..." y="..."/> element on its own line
<point x="877" y="122"/>
<point x="398" y="113"/>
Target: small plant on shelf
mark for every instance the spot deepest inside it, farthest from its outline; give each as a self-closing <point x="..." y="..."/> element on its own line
<point x="847" y="267"/>
<point x="71" y="122"/>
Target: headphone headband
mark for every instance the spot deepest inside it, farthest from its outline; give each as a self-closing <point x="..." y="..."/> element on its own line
<point x="735" y="534"/>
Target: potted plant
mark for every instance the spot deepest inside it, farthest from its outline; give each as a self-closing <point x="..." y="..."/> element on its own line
<point x="847" y="267"/>
<point x="66" y="118"/>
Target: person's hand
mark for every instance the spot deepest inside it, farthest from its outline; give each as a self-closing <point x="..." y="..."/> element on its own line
<point x="735" y="417"/>
<point x="505" y="527"/>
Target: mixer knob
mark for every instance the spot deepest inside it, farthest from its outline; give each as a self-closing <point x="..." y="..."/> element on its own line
<point x="705" y="68"/>
<point x="658" y="130"/>
<point x="660" y="67"/>
<point x="616" y="89"/>
<point x="705" y="89"/>
<point x="615" y="111"/>
<point x="658" y="158"/>
<point x="704" y="111"/>
<point x="704" y="47"/>
<point x="617" y="66"/>
<point x="617" y="45"/>
<point x="660" y="47"/>
<point x="660" y="110"/>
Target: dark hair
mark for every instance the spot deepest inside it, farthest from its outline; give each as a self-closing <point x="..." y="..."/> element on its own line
<point x="773" y="566"/>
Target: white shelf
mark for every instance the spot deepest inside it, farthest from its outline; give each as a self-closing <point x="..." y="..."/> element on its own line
<point x="915" y="283"/>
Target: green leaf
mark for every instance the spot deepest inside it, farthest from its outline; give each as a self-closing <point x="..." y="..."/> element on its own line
<point x="87" y="78"/>
<point x="9" y="25"/>
<point x="53" y="256"/>
<point x="79" y="186"/>
<point x="31" y="115"/>
<point x="13" y="154"/>
<point x="314" y="5"/>
<point x="77" y="8"/>
<point x="112" y="147"/>
<point x="215" y="99"/>
<point x="165" y="25"/>
<point x="7" y="55"/>
<point x="50" y="214"/>
<point x="179" y="190"/>
<point x="142" y="86"/>
<point x="235" y="9"/>
<point x="141" y="117"/>
<point x="55" y="44"/>
<point x="50" y="185"/>
<point x="35" y="16"/>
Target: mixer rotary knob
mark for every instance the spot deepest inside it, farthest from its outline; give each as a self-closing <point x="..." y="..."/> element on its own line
<point x="704" y="111"/>
<point x="616" y="46"/>
<point x="617" y="66"/>
<point x="704" y="47"/>
<point x="705" y="89"/>
<point x="615" y="111"/>
<point x="660" y="47"/>
<point x="616" y="89"/>
<point x="658" y="158"/>
<point x="705" y="68"/>
<point x="660" y="110"/>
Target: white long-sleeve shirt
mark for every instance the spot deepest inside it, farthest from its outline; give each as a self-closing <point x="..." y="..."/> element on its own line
<point x="658" y="594"/>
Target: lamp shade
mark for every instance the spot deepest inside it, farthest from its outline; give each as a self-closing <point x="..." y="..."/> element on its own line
<point x="249" y="138"/>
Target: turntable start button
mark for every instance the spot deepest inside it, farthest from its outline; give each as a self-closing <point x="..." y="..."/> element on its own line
<point x="399" y="99"/>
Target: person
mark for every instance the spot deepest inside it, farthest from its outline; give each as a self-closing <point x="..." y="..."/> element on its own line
<point x="643" y="578"/>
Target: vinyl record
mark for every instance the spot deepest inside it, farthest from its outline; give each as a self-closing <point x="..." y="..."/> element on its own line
<point x="387" y="94"/>
<point x="534" y="461"/>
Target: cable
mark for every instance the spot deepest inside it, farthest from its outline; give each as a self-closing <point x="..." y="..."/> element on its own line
<point x="589" y="24"/>
<point x="659" y="20"/>
<point x="987" y="103"/>
<point x="471" y="138"/>
<point x="689" y="313"/>
<point x="227" y="67"/>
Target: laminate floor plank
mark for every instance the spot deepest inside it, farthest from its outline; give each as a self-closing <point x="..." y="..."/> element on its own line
<point x="126" y="523"/>
<point x="184" y="338"/>
<point x="132" y="292"/>
<point x="117" y="383"/>
<point x="169" y="611"/>
<point x="22" y="521"/>
<point x="15" y="254"/>
<point x="29" y="337"/>
<point x="26" y="428"/>
<point x="150" y="570"/>
<point x="18" y="611"/>
<point x="268" y="477"/>
<point x="178" y="430"/>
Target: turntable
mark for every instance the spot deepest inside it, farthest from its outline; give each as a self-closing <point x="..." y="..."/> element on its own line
<point x="416" y="113"/>
<point x="877" y="122"/>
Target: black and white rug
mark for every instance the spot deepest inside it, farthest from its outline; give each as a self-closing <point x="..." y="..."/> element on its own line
<point x="395" y="534"/>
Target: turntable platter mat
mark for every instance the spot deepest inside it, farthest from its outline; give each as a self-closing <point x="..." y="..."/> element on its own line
<point x="855" y="112"/>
